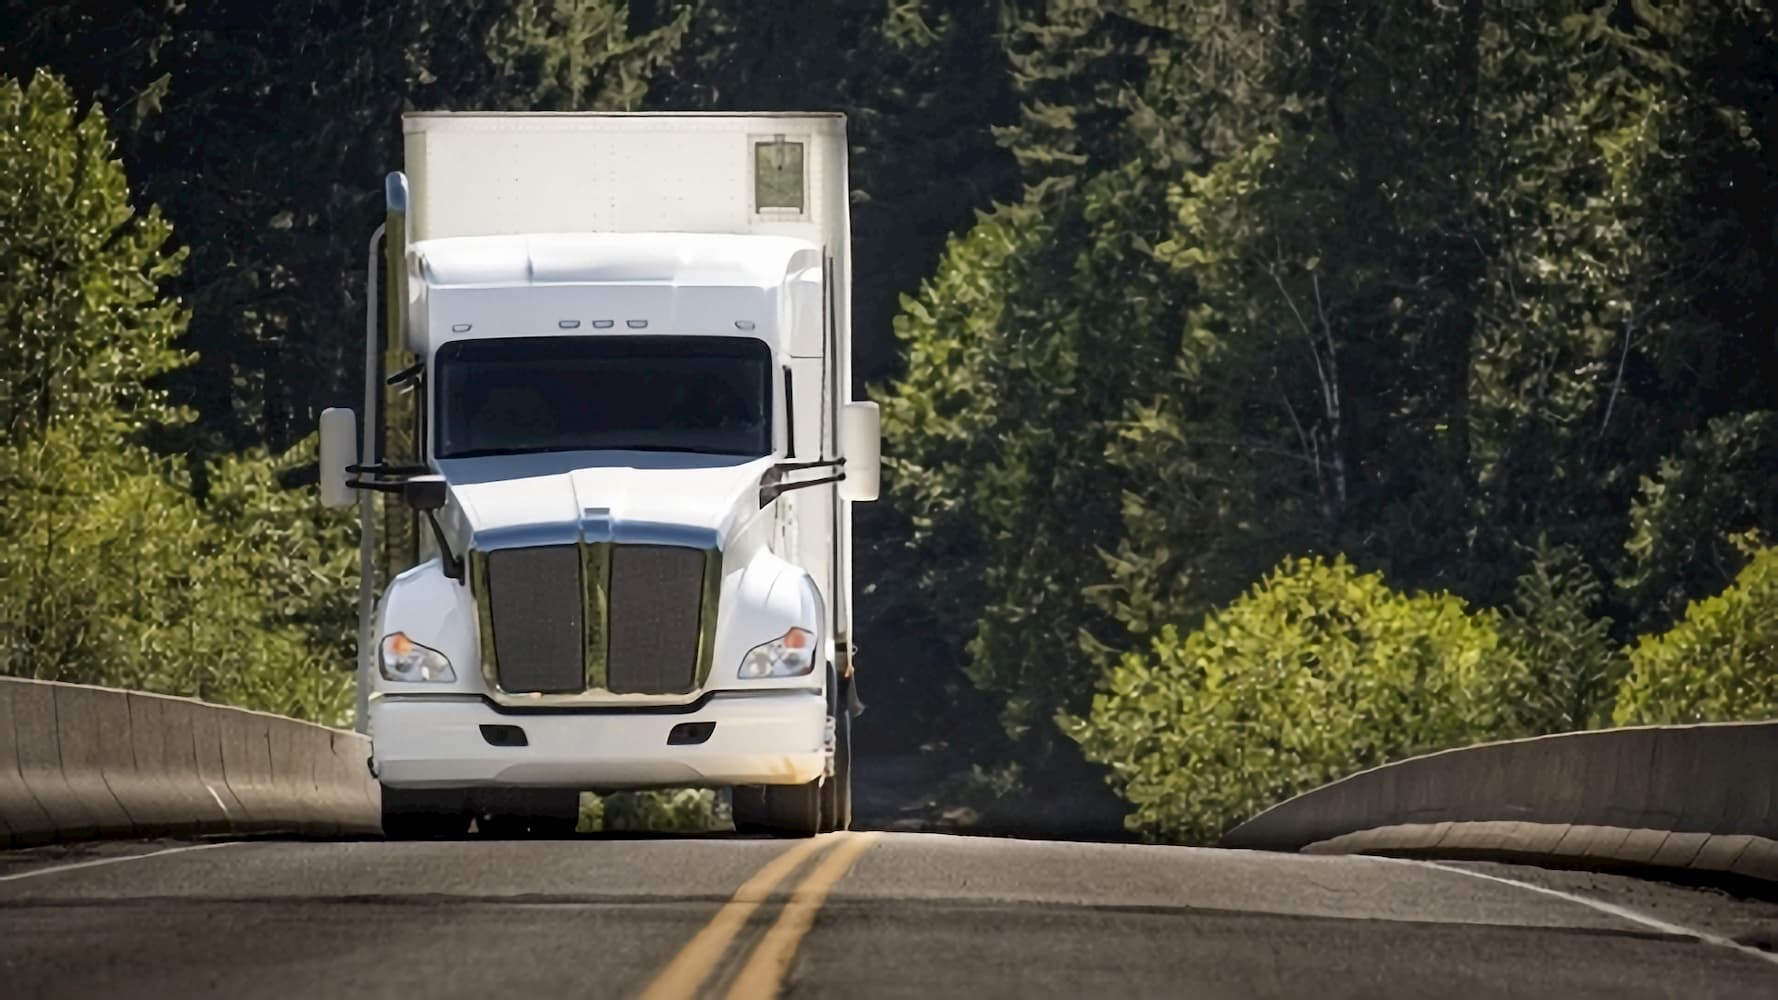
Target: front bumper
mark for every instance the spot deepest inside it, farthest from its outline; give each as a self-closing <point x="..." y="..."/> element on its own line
<point x="776" y="738"/>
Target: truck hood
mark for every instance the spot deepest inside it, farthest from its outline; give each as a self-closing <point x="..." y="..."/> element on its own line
<point x="698" y="492"/>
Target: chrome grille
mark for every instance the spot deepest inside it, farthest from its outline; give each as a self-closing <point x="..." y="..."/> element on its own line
<point x="535" y="607"/>
<point x="657" y="594"/>
<point x="567" y="623"/>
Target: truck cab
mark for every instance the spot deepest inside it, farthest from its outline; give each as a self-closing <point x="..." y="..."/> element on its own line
<point x="606" y="469"/>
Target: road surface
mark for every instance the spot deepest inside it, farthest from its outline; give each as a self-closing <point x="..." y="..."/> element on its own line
<point x="848" y="915"/>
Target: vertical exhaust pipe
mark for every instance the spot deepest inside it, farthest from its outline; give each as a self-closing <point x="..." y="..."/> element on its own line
<point x="367" y="505"/>
<point x="399" y="431"/>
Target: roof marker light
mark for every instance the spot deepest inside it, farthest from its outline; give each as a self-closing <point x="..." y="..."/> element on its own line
<point x="637" y="324"/>
<point x="602" y="324"/>
<point x="744" y="324"/>
<point x="460" y="327"/>
<point x="568" y="324"/>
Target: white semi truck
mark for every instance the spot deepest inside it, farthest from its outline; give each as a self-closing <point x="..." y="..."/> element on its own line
<point x="605" y="469"/>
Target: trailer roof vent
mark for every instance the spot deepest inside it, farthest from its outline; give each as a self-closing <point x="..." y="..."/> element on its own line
<point x="602" y="324"/>
<point x="568" y="324"/>
<point x="637" y="324"/>
<point x="778" y="178"/>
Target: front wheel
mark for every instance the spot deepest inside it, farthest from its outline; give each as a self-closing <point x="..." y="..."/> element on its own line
<point x="779" y="810"/>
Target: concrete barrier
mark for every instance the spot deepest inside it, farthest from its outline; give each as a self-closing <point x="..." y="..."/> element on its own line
<point x="1702" y="798"/>
<point x="22" y="819"/>
<point x="80" y="762"/>
<point x="206" y="747"/>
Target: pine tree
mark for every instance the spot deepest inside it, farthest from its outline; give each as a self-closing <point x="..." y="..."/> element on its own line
<point x="110" y="571"/>
<point x="577" y="55"/>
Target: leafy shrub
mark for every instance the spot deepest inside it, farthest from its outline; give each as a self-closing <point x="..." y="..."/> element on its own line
<point x="1720" y="481"/>
<point x="111" y="573"/>
<point x="1718" y="664"/>
<point x="670" y="810"/>
<point x="1557" y="630"/>
<point x="1316" y="672"/>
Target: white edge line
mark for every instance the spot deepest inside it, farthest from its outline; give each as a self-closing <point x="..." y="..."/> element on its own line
<point x="33" y="873"/>
<point x="1612" y="909"/>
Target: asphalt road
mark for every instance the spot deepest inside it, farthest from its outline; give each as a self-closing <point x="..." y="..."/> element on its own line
<point x="847" y="916"/>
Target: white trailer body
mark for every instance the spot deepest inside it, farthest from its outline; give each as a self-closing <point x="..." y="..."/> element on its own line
<point x="612" y="387"/>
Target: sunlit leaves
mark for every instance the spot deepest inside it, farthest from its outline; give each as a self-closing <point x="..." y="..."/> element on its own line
<point x="1314" y="673"/>
<point x="111" y="571"/>
<point x="82" y="325"/>
<point x="1717" y="663"/>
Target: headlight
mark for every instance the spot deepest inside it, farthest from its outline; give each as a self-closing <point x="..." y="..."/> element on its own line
<point x="403" y="659"/>
<point x="790" y="655"/>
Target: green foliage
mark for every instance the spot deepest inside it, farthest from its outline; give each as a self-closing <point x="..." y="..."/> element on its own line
<point x="111" y="571"/>
<point x="114" y="575"/>
<point x="577" y="55"/>
<point x="1429" y="288"/>
<point x="1722" y="480"/>
<point x="1716" y="664"/>
<point x="1316" y="672"/>
<point x="1556" y="627"/>
<point x="676" y="810"/>
<point x="934" y="435"/>
<point x="1596" y="331"/>
<point x="85" y="327"/>
<point x="1021" y="353"/>
<point x="1075" y="65"/>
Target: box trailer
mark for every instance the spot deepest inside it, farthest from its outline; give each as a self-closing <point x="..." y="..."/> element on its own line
<point x="605" y="469"/>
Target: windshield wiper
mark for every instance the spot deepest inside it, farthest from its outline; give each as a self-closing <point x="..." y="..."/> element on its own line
<point x="772" y="484"/>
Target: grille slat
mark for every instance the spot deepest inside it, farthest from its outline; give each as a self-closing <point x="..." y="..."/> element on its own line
<point x="537" y="606"/>
<point x="657" y="593"/>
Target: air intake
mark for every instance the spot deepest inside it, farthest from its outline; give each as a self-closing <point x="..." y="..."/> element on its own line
<point x="657" y="594"/>
<point x="536" y="609"/>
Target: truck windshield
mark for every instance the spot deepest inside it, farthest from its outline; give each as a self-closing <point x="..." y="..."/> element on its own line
<point x="709" y="395"/>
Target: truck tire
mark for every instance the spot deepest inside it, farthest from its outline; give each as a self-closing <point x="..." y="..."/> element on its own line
<point x="795" y="809"/>
<point x="836" y="791"/>
<point x="424" y="814"/>
<point x="530" y="813"/>
<point x="779" y="810"/>
<point x="747" y="806"/>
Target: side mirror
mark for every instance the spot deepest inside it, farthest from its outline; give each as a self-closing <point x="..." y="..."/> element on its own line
<point x="861" y="444"/>
<point x="424" y="493"/>
<point x="339" y="448"/>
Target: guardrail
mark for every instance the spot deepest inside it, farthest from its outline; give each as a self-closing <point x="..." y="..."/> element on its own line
<point x="1703" y="798"/>
<point x="79" y="763"/>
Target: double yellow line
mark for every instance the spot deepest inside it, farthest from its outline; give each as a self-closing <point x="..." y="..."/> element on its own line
<point x="763" y="974"/>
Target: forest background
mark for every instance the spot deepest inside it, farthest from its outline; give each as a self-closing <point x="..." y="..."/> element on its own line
<point x="1271" y="387"/>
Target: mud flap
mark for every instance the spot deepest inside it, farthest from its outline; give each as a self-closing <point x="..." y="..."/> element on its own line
<point x="849" y="692"/>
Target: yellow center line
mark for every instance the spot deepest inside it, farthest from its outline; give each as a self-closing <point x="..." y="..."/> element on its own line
<point x="688" y="969"/>
<point x="763" y="975"/>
